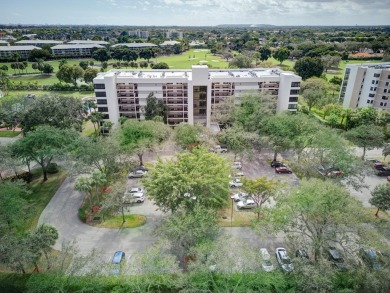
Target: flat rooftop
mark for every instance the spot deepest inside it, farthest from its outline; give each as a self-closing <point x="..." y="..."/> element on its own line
<point x="18" y="48"/>
<point x="77" y="46"/>
<point x="38" y="42"/>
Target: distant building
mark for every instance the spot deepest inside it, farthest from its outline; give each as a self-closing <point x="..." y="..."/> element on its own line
<point x="88" y="42"/>
<point x="139" y="34"/>
<point x="8" y="51"/>
<point x="135" y="45"/>
<point x="74" y="50"/>
<point x="189" y="94"/>
<point x="366" y="85"/>
<point x="169" y="43"/>
<point x="197" y="44"/>
<point x="38" y="43"/>
<point x="3" y="43"/>
<point x="174" y="34"/>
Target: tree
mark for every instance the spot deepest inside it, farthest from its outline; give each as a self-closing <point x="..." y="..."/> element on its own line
<point x="265" y="53"/>
<point x="155" y="107"/>
<point x="4" y="68"/>
<point x="96" y="119"/>
<point x="197" y="177"/>
<point x="130" y="56"/>
<point x="187" y="230"/>
<point x="13" y="206"/>
<point x="260" y="190"/>
<point x="366" y="136"/>
<point x="312" y="97"/>
<point x="187" y="135"/>
<point x="227" y="55"/>
<point x="84" y="184"/>
<point x="239" y="141"/>
<point x="141" y="136"/>
<point x="38" y="54"/>
<point x="101" y="55"/>
<point x="70" y="73"/>
<point x="62" y="63"/>
<point x="386" y="151"/>
<point x="47" y="68"/>
<point x="381" y="197"/>
<point x="224" y="112"/>
<point x="281" y="54"/>
<point x="41" y="241"/>
<point x="241" y="61"/>
<point x="330" y="61"/>
<point x="315" y="215"/>
<point x="114" y="202"/>
<point x="147" y="54"/>
<point x="90" y="74"/>
<point x="5" y="82"/>
<point x="44" y="144"/>
<point x="83" y="64"/>
<point x="161" y="65"/>
<point x="308" y="67"/>
<point x="58" y="111"/>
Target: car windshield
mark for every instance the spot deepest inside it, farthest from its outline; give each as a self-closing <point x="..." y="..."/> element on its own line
<point x="286" y="261"/>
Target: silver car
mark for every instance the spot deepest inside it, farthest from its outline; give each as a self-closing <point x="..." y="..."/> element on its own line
<point x="137" y="174"/>
<point x="283" y="259"/>
<point x="266" y="263"/>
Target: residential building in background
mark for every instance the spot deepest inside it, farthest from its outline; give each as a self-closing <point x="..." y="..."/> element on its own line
<point x="174" y="34"/>
<point x="8" y="51"/>
<point x="139" y="34"/>
<point x="135" y="46"/>
<point x="74" y="50"/>
<point x="190" y="94"/>
<point x="38" y="43"/>
<point x="366" y="85"/>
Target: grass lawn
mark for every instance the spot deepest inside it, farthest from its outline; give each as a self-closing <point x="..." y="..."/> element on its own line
<point x="42" y="192"/>
<point x="38" y="93"/>
<point x="240" y="218"/>
<point x="382" y="216"/>
<point x="88" y="128"/>
<point x="9" y="133"/>
<point x="131" y="221"/>
<point x="40" y="79"/>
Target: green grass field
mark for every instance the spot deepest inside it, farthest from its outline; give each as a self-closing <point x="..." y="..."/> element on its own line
<point x="13" y="94"/>
<point x="9" y="133"/>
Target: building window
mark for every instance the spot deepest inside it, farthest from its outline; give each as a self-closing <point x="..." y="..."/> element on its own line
<point x="371" y="95"/>
<point x="385" y="98"/>
<point x="388" y="77"/>
<point x="377" y="82"/>
<point x="292" y="106"/>
<point x="101" y="101"/>
<point x="293" y="99"/>
<point x="387" y="83"/>
<point x="295" y="84"/>
<point x="294" y="92"/>
<point x="373" y="82"/>
<point x="377" y="75"/>
<point x="368" y="101"/>
<point x="100" y="94"/>
<point x="371" y="88"/>
<point x="103" y="109"/>
<point x="99" y="86"/>
<point x="385" y="90"/>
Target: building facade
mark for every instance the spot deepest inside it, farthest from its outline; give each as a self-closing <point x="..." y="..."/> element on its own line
<point x="366" y="85"/>
<point x="74" y="50"/>
<point x="8" y="51"/>
<point x="189" y="94"/>
<point x="88" y="42"/>
<point x="135" y="46"/>
<point x="38" y="43"/>
<point x="139" y="34"/>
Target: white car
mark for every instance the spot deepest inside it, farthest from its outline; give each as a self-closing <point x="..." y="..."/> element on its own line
<point x="266" y="264"/>
<point x="237" y="165"/>
<point x="134" y="190"/>
<point x="137" y="174"/>
<point x="133" y="198"/>
<point x="283" y="259"/>
<point x="247" y="204"/>
<point x="235" y="183"/>
<point x="241" y="196"/>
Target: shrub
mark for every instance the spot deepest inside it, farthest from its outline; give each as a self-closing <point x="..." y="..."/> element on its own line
<point x="52" y="168"/>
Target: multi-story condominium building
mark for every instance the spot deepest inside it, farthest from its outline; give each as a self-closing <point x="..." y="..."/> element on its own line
<point x="174" y="34"/>
<point x="139" y="34"/>
<point x="88" y="42"/>
<point x="135" y="46"/>
<point x="38" y="43"/>
<point x="189" y="94"/>
<point x="366" y="85"/>
<point x="8" y="51"/>
<point x="81" y="50"/>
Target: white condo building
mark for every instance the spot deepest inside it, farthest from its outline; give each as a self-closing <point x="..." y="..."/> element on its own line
<point x="366" y="85"/>
<point x="191" y="93"/>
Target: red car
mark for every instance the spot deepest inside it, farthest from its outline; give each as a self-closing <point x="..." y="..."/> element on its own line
<point x="283" y="170"/>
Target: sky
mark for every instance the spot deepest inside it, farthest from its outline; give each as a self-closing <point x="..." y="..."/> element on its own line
<point x="196" y="12"/>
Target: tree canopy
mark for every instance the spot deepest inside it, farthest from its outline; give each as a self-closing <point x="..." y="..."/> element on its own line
<point x="307" y="67"/>
<point x="381" y="197"/>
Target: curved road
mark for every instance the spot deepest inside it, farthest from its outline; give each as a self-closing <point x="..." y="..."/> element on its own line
<point x="62" y="213"/>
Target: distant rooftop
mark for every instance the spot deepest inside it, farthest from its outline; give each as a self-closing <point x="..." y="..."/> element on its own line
<point x="135" y="45"/>
<point x="38" y="42"/>
<point x="89" y="42"/>
<point x="383" y="65"/>
<point x="169" y="43"/>
<point x="79" y="46"/>
<point x="18" y="48"/>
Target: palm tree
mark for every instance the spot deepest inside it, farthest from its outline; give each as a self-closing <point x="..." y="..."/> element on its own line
<point x="84" y="184"/>
<point x="16" y="57"/>
<point x="96" y="118"/>
<point x="99" y="179"/>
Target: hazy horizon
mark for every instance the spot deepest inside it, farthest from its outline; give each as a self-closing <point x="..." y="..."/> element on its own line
<point x="197" y="12"/>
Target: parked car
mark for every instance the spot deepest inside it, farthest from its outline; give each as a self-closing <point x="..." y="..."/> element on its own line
<point x="329" y="171"/>
<point x="129" y="198"/>
<point x="302" y="253"/>
<point x="246" y="204"/>
<point x="383" y="171"/>
<point x="276" y="164"/>
<point x="240" y="174"/>
<point x="370" y="258"/>
<point x="283" y="259"/>
<point x="266" y="263"/>
<point x="141" y="167"/>
<point x="237" y="165"/>
<point x="134" y="190"/>
<point x="235" y="183"/>
<point x="241" y="196"/>
<point x="220" y="149"/>
<point x="117" y="259"/>
<point x="336" y="258"/>
<point x="137" y="174"/>
<point x="283" y="170"/>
